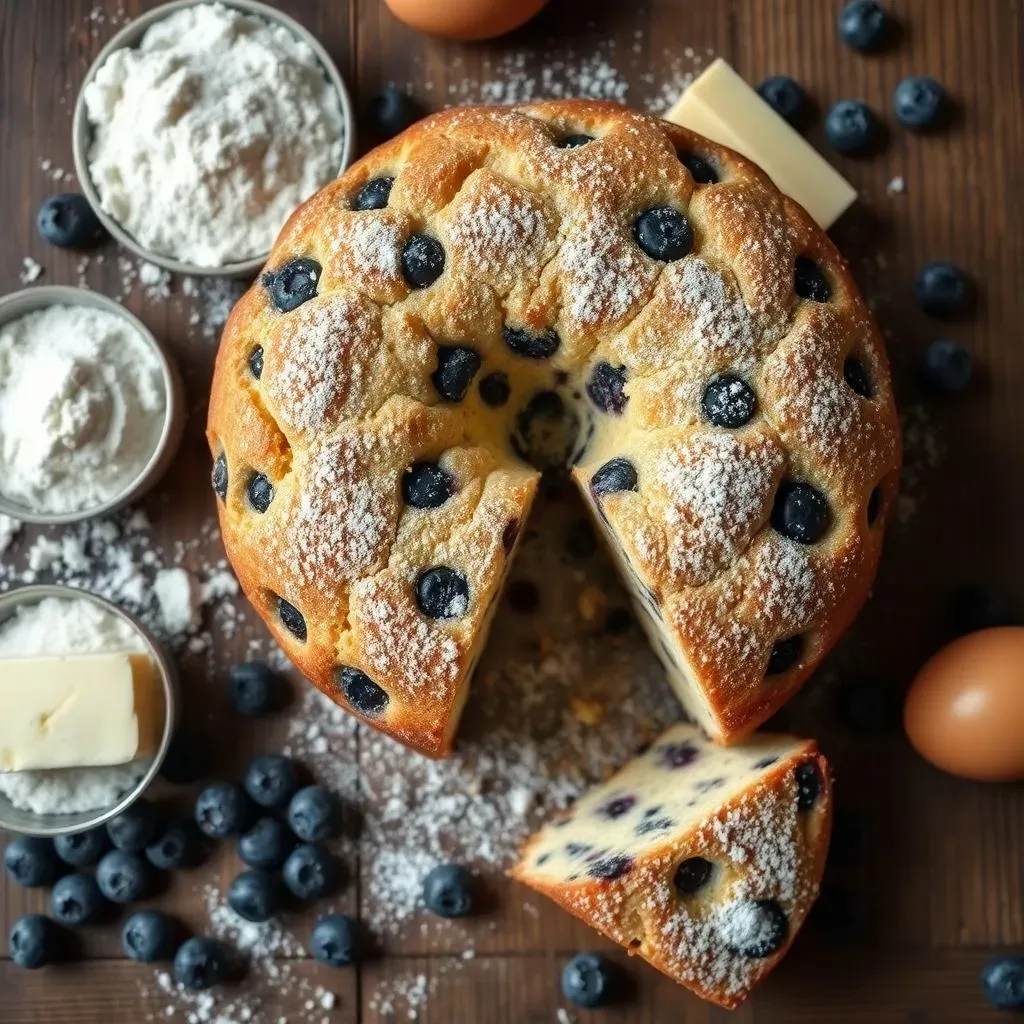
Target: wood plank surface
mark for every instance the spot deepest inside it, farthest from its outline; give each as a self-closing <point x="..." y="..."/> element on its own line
<point x="938" y="869"/>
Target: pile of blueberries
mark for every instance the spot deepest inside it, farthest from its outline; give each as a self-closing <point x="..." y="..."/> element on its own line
<point x="280" y="828"/>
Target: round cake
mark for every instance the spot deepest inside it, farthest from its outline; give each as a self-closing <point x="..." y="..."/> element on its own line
<point x="500" y="290"/>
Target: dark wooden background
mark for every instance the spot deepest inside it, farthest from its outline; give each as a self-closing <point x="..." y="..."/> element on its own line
<point x="939" y="877"/>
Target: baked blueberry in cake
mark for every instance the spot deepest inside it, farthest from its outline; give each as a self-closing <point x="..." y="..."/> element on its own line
<point x="703" y="860"/>
<point x="561" y="284"/>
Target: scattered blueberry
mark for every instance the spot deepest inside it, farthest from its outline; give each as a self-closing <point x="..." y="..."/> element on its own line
<point x="448" y="891"/>
<point x="254" y="688"/>
<point x="134" y="828"/>
<point x="784" y="655"/>
<point x="607" y="388"/>
<point x="663" y="234"/>
<point x="729" y="401"/>
<point x="34" y="941"/>
<point x="76" y="899"/>
<point x="292" y="619"/>
<point x="868" y="706"/>
<point x="361" y="691"/>
<point x="201" y="963"/>
<point x="980" y="606"/>
<point x="615" y="475"/>
<point x="495" y="389"/>
<point x="311" y="872"/>
<point x="423" y="261"/>
<point x="255" y="895"/>
<point x="335" y="940"/>
<point x="30" y="861"/>
<point x="271" y="780"/>
<point x="809" y="281"/>
<point x="573" y="141"/>
<point x="852" y="128"/>
<point x="531" y="344"/>
<point x="457" y="365"/>
<point x="294" y="284"/>
<point x="701" y="170"/>
<point x="260" y="492"/>
<point x="1002" y="981"/>
<point x="442" y="593"/>
<point x="864" y="25"/>
<point x="427" y="485"/>
<point x="219" y="476"/>
<point x="943" y="289"/>
<point x="82" y="849"/>
<point x="176" y="846"/>
<point x="808" y="785"/>
<point x="391" y="111"/>
<point x="313" y="814"/>
<point x="786" y="97"/>
<point x="756" y="929"/>
<point x="588" y="980"/>
<point x="801" y="512"/>
<point x="222" y="809"/>
<point x="67" y="220"/>
<point x="266" y="845"/>
<point x="920" y="103"/>
<point x="692" y="875"/>
<point x="947" y="368"/>
<point x="148" y="936"/>
<point x="122" y="877"/>
<point x="374" y="195"/>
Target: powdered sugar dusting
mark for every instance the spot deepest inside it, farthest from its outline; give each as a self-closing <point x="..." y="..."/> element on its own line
<point x="373" y="243"/>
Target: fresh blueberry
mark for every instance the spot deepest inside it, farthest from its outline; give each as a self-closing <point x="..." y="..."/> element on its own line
<point x="391" y="111"/>
<point x="701" y="170"/>
<point x="310" y="872"/>
<point x="427" y="485"/>
<point x="361" y="691"/>
<point x="573" y="141"/>
<point x="148" y="936"/>
<point x="947" y="368"/>
<point x="607" y="388"/>
<point x="448" y="891"/>
<point x="187" y="759"/>
<point x="76" y="899"/>
<point x="756" y="929"/>
<point x="266" y="845"/>
<point x="254" y="689"/>
<point x="442" y="593"/>
<point x="219" y="476"/>
<point x="852" y="128"/>
<point x="784" y="655"/>
<point x="201" y="963"/>
<point x="920" y="103"/>
<point x="271" y="780"/>
<point x="374" y="195"/>
<point x="256" y="362"/>
<point x="82" y="849"/>
<point x="801" y="512"/>
<point x="176" y="846"/>
<point x="30" y="861"/>
<point x="1002" y="981"/>
<point x="313" y="814"/>
<point x="531" y="344"/>
<point x="335" y="940"/>
<point x="864" y="25"/>
<point x="292" y="619"/>
<point x="729" y="401"/>
<point x="122" y="877"/>
<point x="294" y="284"/>
<point x="67" y="220"/>
<point x="663" y="234"/>
<point x="981" y="606"/>
<point x="786" y="97"/>
<point x="692" y="875"/>
<point x="457" y="365"/>
<point x="134" y="828"/>
<point x="495" y="389"/>
<point x="34" y="942"/>
<point x="260" y="492"/>
<point x="255" y="895"/>
<point x="808" y="785"/>
<point x="589" y="980"/>
<point x="423" y="261"/>
<point x="222" y="809"/>
<point x="615" y="475"/>
<point x="943" y="290"/>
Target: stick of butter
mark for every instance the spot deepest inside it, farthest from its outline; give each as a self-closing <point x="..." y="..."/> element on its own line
<point x="721" y="106"/>
<point x="77" y="710"/>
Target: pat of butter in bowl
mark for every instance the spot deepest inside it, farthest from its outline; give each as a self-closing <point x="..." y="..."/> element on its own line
<point x="77" y="711"/>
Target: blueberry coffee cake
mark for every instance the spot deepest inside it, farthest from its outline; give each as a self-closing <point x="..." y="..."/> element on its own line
<point x="501" y="290"/>
<point x="703" y="860"/>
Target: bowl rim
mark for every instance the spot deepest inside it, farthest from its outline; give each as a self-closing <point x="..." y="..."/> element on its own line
<point x="129" y="37"/>
<point x="25" y="301"/>
<point x="21" y="596"/>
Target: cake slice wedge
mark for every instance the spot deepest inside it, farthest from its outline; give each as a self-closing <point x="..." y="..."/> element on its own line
<point x="701" y="859"/>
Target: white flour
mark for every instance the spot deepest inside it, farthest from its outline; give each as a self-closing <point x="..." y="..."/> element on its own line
<point x="210" y="133"/>
<point x="56" y="626"/>
<point x="81" y="407"/>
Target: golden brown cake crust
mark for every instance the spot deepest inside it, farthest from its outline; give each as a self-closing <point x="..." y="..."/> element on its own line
<point x="541" y="237"/>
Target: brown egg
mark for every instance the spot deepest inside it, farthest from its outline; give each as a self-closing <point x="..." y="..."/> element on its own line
<point x="965" y="708"/>
<point x="465" y="19"/>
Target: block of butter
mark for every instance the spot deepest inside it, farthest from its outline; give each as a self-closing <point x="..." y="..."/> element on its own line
<point x="720" y="105"/>
<point x="78" y="710"/>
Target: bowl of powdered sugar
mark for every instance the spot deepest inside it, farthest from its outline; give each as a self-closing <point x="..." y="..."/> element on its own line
<point x="91" y="408"/>
<point x="55" y="621"/>
<point x="202" y="126"/>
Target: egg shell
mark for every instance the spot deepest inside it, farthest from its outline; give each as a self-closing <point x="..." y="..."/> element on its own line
<point x="965" y="709"/>
<point x="465" y="20"/>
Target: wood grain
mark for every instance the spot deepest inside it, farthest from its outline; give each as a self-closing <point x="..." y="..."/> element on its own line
<point x="940" y="872"/>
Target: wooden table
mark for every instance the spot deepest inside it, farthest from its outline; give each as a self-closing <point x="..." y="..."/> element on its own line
<point x="940" y="873"/>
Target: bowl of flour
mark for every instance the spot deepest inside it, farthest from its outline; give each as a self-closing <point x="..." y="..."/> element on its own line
<point x="49" y="620"/>
<point x="202" y="125"/>
<point x="91" y="408"/>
